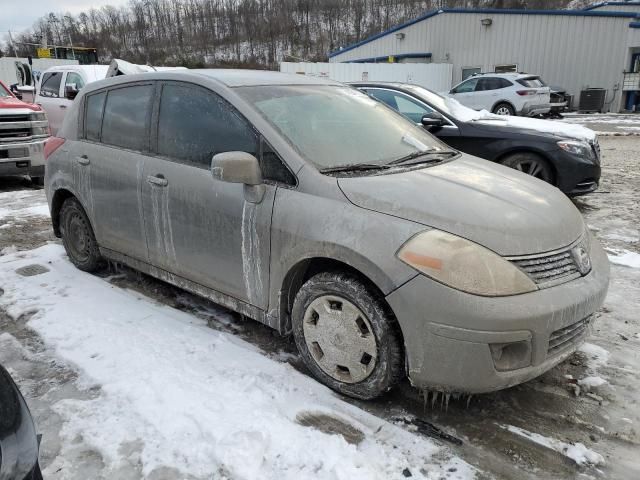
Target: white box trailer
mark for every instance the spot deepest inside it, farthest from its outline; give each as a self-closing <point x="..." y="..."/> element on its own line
<point x="434" y="76"/>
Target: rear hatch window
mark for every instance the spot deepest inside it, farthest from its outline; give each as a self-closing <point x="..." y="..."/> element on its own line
<point x="531" y="82"/>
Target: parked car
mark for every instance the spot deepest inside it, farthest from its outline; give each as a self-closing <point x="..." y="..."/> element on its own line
<point x="19" y="443"/>
<point x="23" y="131"/>
<point x="504" y="94"/>
<point x="567" y="156"/>
<point x="308" y="206"/>
<point x="59" y="85"/>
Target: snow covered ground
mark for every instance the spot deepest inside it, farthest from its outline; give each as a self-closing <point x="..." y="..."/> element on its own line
<point x="608" y="124"/>
<point x="129" y="378"/>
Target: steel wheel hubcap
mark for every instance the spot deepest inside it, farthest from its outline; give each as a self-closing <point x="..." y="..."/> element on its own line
<point x="77" y="238"/>
<point x="340" y="338"/>
<point x="533" y="168"/>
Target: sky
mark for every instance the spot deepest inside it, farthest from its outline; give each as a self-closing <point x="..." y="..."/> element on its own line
<point x="20" y="15"/>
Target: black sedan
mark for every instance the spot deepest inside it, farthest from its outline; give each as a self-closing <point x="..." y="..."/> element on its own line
<point x="567" y="156"/>
<point x="18" y="440"/>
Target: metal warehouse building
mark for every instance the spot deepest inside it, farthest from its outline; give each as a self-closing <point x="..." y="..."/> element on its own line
<point x="598" y="47"/>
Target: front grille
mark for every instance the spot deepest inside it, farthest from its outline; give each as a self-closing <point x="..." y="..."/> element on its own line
<point x="17" y="128"/>
<point x="566" y="336"/>
<point x="547" y="270"/>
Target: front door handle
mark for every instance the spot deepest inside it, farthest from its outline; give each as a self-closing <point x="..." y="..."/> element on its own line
<point x="63" y="106"/>
<point x="158" y="180"/>
<point x="83" y="160"/>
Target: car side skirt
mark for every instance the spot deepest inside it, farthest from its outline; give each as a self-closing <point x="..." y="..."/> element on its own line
<point x="215" y="296"/>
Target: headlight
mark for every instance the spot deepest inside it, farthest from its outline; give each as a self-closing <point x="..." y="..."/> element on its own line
<point x="581" y="149"/>
<point x="38" y="116"/>
<point x="464" y="265"/>
<point x="40" y="131"/>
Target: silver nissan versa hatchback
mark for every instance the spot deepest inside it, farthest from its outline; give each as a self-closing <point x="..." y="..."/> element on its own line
<point x="308" y="206"/>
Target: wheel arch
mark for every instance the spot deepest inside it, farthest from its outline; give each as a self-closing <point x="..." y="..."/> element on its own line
<point x="540" y="153"/>
<point x="57" y="200"/>
<point x="508" y="102"/>
<point x="306" y="268"/>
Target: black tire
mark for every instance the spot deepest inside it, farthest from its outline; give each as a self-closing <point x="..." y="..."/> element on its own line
<point x="531" y="164"/>
<point x="77" y="236"/>
<point x="39" y="181"/>
<point x="388" y="369"/>
<point x="505" y="107"/>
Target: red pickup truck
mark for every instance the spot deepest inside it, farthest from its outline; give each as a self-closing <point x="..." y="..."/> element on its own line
<point x="23" y="131"/>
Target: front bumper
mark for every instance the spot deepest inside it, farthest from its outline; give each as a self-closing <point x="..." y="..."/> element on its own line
<point x="22" y="158"/>
<point x="448" y="333"/>
<point x="576" y="175"/>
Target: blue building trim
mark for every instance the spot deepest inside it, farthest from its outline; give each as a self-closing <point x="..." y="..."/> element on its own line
<point x="385" y="58"/>
<point x="486" y="11"/>
<point x="609" y="4"/>
<point x="634" y="25"/>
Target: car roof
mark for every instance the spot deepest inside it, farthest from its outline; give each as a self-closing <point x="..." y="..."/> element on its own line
<point x="94" y="71"/>
<point x="246" y="78"/>
<point x="511" y="75"/>
<point x="228" y="77"/>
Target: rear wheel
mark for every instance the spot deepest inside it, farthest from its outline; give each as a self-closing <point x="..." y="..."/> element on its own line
<point x="531" y="164"/>
<point x="77" y="236"/>
<point x="346" y="337"/>
<point x="504" y="109"/>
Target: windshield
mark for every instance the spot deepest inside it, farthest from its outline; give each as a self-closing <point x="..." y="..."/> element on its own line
<point x="3" y="91"/>
<point x="334" y="126"/>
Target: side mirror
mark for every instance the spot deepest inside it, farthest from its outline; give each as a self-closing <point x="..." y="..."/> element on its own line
<point x="70" y="91"/>
<point x="236" y="167"/>
<point x="432" y="120"/>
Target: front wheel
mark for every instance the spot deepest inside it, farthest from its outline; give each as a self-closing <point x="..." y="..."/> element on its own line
<point x="531" y="164"/>
<point x="346" y="336"/>
<point x="77" y="236"/>
<point x="504" y="109"/>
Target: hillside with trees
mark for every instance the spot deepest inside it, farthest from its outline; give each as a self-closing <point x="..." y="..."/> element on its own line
<point x="257" y="33"/>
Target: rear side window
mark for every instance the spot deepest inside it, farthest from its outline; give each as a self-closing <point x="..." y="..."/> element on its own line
<point x="531" y="82"/>
<point x="50" y="85"/>
<point x="93" y="116"/>
<point x="126" y="117"/>
<point x="492" y="83"/>
<point x="195" y="124"/>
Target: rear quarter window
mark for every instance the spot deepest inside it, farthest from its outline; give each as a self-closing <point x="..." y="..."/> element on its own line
<point x="93" y="116"/>
<point x="531" y="82"/>
<point x="126" y="117"/>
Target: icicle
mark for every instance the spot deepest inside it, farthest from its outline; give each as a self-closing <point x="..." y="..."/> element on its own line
<point x="446" y="402"/>
<point x="469" y="400"/>
<point x="434" y="399"/>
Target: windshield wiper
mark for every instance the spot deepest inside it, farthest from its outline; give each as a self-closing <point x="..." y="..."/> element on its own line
<point x="433" y="156"/>
<point x="356" y="167"/>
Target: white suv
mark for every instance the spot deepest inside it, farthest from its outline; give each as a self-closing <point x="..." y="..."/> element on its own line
<point x="504" y="94"/>
<point x="59" y="85"/>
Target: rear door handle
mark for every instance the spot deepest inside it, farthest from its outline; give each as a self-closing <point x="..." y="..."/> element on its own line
<point x="157" y="180"/>
<point x="83" y="160"/>
<point x="63" y="106"/>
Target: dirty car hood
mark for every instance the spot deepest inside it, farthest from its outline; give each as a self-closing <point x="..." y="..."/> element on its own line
<point x="507" y="211"/>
